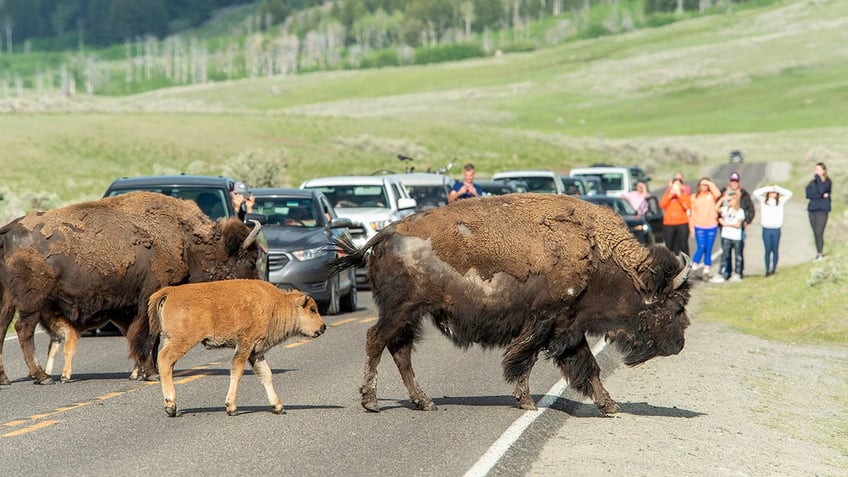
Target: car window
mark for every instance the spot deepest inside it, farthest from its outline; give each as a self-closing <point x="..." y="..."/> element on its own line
<point x="351" y="196"/>
<point x="210" y="200"/>
<point x="544" y="185"/>
<point x="612" y="181"/>
<point x="429" y="195"/>
<point x="287" y="211"/>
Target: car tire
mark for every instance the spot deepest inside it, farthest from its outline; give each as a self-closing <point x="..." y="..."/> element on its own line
<point x="333" y="303"/>
<point x="350" y="301"/>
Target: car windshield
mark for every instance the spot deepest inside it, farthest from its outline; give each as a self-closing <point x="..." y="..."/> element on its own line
<point x="348" y="196"/>
<point x="544" y="185"/>
<point x="428" y="196"/>
<point x="612" y="181"/>
<point x="620" y="206"/>
<point x="210" y="200"/>
<point x="287" y="211"/>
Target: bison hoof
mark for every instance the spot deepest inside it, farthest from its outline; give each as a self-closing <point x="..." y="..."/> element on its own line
<point x="151" y="377"/>
<point x="278" y="410"/>
<point x="608" y="407"/>
<point x="171" y="411"/>
<point x="47" y="380"/>
<point x="527" y="406"/>
<point x="426" y="405"/>
<point x="232" y="412"/>
<point x="5" y="382"/>
<point x="370" y="406"/>
<point x="65" y="380"/>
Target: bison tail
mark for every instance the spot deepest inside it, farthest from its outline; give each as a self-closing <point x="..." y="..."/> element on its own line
<point x="154" y="311"/>
<point x="348" y="256"/>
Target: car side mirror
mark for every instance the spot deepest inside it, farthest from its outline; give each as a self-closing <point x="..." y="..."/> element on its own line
<point x="261" y="218"/>
<point x="341" y="223"/>
<point x="407" y="203"/>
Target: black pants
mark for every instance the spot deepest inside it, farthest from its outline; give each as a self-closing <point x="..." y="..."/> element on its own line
<point x="676" y="238"/>
<point x="818" y="221"/>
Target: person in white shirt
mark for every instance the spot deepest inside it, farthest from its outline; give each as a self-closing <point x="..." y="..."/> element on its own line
<point x="731" y="220"/>
<point x="772" y="200"/>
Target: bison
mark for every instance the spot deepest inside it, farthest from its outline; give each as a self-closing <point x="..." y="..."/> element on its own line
<point x="251" y="316"/>
<point x="532" y="273"/>
<point x="101" y="260"/>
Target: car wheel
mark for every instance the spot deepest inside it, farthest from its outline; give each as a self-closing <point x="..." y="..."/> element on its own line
<point x="350" y="301"/>
<point x="333" y="303"/>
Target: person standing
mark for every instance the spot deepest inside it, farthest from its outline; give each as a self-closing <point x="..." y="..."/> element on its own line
<point x="732" y="220"/>
<point x="704" y="222"/>
<point x="818" y="192"/>
<point x="734" y="185"/>
<point x="675" y="202"/>
<point x="772" y="200"/>
<point x="467" y="188"/>
<point x="638" y="198"/>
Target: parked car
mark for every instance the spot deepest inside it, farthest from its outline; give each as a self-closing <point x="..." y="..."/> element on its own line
<point x="594" y="186"/>
<point x="616" y="181"/>
<point x="371" y="202"/>
<point x="430" y="190"/>
<point x="538" y="180"/>
<point x="301" y="225"/>
<point x="573" y="185"/>
<point x="501" y="187"/>
<point x="638" y="224"/>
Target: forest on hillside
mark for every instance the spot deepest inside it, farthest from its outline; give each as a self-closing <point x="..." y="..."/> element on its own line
<point x="118" y="47"/>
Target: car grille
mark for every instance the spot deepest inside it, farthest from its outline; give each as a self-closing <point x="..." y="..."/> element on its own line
<point x="277" y="260"/>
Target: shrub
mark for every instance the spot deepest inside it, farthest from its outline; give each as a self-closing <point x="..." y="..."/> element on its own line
<point x="259" y="168"/>
<point x="448" y="52"/>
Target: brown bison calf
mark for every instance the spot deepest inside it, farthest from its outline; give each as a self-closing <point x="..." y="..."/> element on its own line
<point x="251" y="316"/>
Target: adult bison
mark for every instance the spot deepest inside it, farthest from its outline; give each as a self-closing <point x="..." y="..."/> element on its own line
<point x="527" y="272"/>
<point x="101" y="260"/>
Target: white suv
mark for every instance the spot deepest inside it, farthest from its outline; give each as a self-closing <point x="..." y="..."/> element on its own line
<point x="616" y="181"/>
<point x="371" y="201"/>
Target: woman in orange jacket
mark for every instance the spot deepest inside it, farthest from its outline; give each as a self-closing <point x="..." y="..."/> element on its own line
<point x="676" y="204"/>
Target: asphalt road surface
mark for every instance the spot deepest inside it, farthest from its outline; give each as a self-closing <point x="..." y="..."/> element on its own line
<point x="104" y="424"/>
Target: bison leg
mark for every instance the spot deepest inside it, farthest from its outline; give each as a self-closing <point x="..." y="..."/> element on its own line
<point x="402" y="354"/>
<point x="170" y="353"/>
<point x="61" y="331"/>
<point x="236" y="372"/>
<point x="373" y="352"/>
<point x="7" y="312"/>
<point x="25" y="328"/>
<point x="263" y="372"/>
<point x="578" y="366"/>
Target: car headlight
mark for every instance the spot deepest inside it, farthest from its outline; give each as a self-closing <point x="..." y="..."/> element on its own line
<point x="379" y="225"/>
<point x="309" y="253"/>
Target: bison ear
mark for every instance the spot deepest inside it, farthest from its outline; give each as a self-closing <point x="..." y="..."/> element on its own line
<point x="302" y="300"/>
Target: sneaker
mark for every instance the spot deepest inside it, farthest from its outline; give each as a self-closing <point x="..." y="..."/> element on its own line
<point x="695" y="267"/>
<point x="717" y="279"/>
<point x="706" y="270"/>
<point x="735" y="278"/>
<point x="819" y="258"/>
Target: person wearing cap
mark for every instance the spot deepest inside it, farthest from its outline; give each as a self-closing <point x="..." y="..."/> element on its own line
<point x="676" y="204"/>
<point x="734" y="186"/>
<point x="242" y="199"/>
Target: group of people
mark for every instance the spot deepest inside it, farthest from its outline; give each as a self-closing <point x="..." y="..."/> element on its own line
<point x="710" y="213"/>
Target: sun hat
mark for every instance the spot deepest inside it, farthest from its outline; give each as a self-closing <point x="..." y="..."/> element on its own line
<point x="734" y="176"/>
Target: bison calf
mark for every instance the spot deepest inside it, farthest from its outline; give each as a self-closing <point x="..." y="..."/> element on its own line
<point x="251" y="316"/>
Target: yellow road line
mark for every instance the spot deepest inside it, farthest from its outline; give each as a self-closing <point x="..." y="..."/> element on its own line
<point x="368" y="320"/>
<point x="25" y="430"/>
<point x="298" y="343"/>
<point x="343" y="322"/>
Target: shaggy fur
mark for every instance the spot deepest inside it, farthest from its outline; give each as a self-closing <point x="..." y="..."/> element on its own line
<point x="526" y="272"/>
<point x="251" y="316"/>
<point x="102" y="260"/>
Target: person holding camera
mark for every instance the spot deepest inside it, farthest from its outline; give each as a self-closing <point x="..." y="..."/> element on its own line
<point x="732" y="220"/>
<point x="747" y="204"/>
<point x="242" y="200"/>
<point x="467" y="188"/>
<point x="772" y="200"/>
<point x="676" y="203"/>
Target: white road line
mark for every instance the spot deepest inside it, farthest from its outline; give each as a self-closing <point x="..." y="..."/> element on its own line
<point x="513" y="433"/>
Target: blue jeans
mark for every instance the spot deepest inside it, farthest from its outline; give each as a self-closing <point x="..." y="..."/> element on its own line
<point x="730" y="250"/>
<point x="771" y="241"/>
<point x="705" y="238"/>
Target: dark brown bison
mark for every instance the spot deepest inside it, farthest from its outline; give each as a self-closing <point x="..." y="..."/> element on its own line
<point x="251" y="316"/>
<point x="101" y="260"/>
<point x="527" y="272"/>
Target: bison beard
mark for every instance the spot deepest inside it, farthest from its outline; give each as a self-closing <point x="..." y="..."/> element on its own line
<point x="101" y="260"/>
<point x="531" y="273"/>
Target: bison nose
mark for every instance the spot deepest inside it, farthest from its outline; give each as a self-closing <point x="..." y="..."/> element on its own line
<point x="320" y="331"/>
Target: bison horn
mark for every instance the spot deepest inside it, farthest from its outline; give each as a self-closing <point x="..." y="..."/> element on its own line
<point x="252" y="237"/>
<point x="683" y="275"/>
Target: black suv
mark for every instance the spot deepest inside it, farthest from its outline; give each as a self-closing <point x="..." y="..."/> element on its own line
<point x="212" y="195"/>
